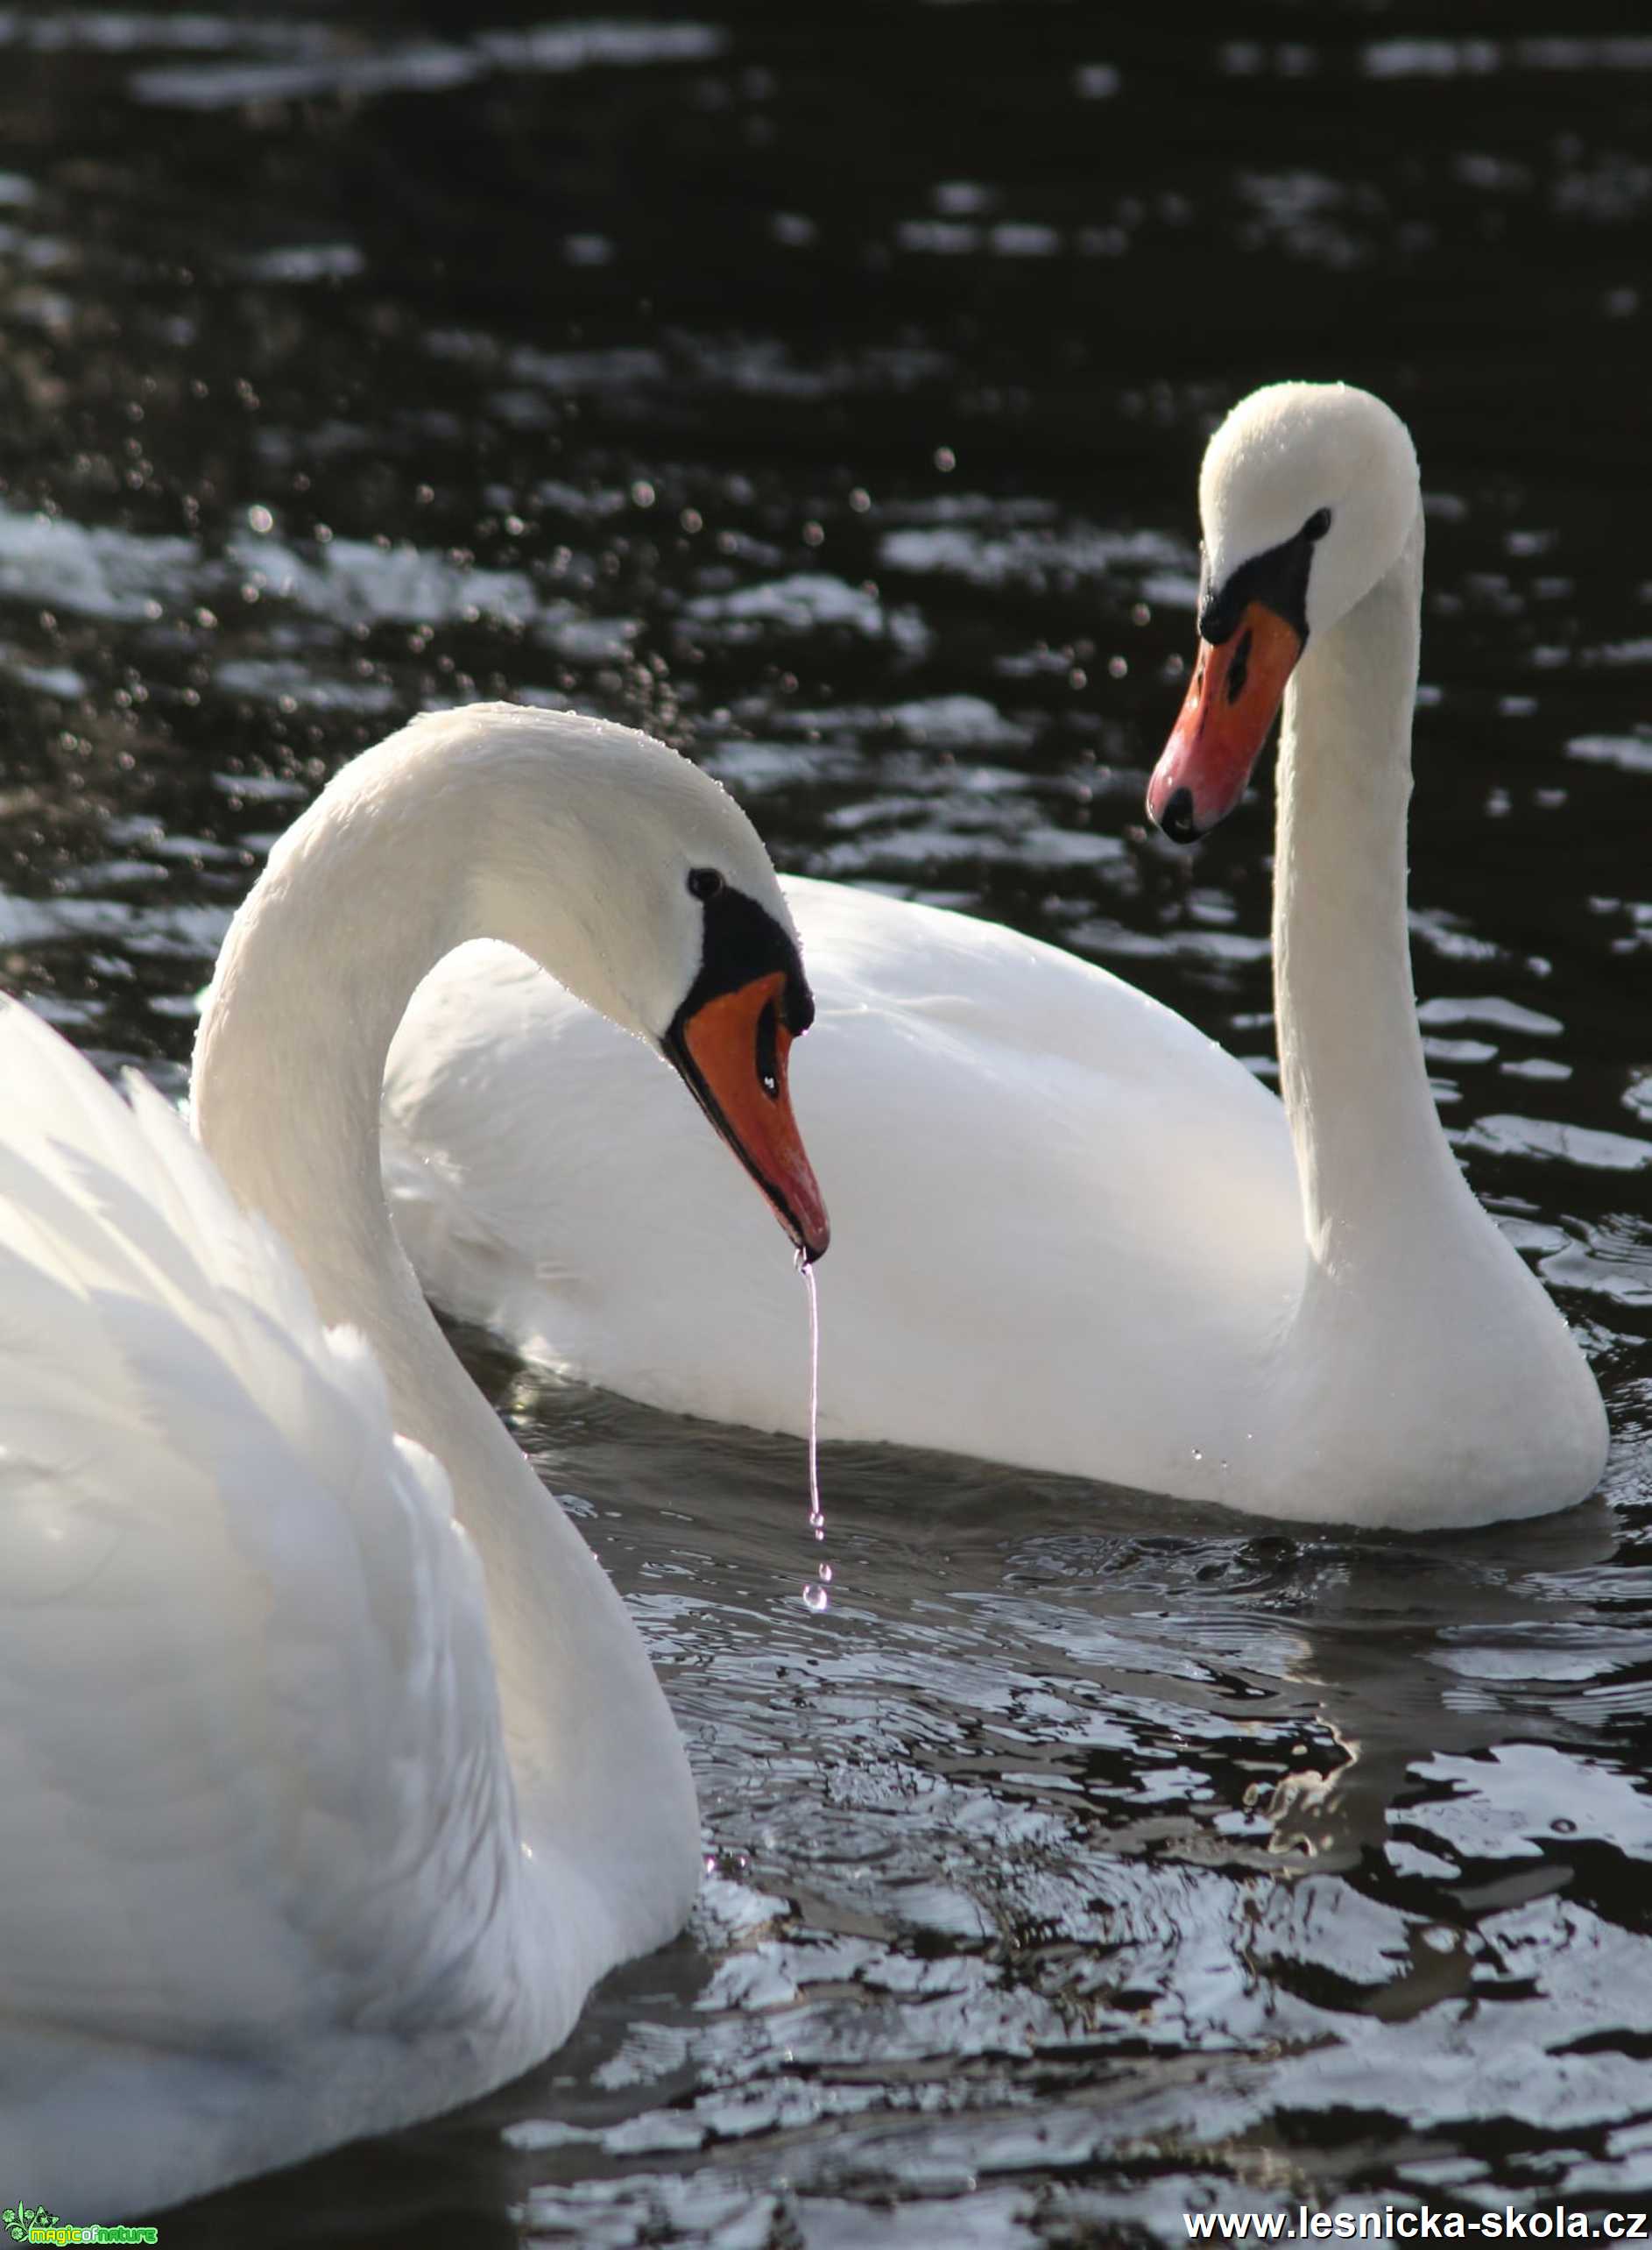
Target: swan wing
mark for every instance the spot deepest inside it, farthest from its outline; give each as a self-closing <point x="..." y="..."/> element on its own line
<point x="1055" y="1204"/>
<point x="252" y="1783"/>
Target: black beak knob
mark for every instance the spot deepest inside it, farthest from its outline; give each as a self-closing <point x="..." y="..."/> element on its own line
<point x="1176" y="817"/>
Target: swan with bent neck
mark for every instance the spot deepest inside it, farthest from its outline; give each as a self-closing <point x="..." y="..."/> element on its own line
<point x="1075" y="1234"/>
<point x="335" y="1769"/>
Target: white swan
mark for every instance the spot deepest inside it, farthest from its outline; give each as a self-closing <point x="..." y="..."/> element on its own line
<point x="1073" y="1234"/>
<point x="317" y="1814"/>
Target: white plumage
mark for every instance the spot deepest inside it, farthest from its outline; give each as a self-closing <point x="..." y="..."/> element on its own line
<point x="991" y="1118"/>
<point x="257" y="1813"/>
<point x="332" y="1769"/>
<point x="1071" y="1232"/>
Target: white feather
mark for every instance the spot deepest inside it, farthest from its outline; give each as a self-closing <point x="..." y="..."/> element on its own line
<point x="251" y="1768"/>
<point x="332" y="1772"/>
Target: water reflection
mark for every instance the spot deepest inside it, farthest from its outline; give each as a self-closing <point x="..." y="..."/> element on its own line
<point x="835" y="409"/>
<point x="997" y="1852"/>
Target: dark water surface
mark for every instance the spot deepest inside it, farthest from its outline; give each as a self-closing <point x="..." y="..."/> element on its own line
<point x="824" y="386"/>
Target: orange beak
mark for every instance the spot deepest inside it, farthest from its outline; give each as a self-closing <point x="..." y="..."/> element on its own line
<point x="731" y="1052"/>
<point x="1235" y="691"/>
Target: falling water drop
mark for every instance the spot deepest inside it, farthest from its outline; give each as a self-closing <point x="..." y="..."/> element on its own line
<point x="815" y="1597"/>
<point x="816" y="1515"/>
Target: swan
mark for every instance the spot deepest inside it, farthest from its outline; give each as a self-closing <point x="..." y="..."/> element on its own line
<point x="321" y="1813"/>
<point x="1074" y="1235"/>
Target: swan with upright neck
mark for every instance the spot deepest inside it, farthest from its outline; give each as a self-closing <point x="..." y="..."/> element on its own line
<point x="1076" y="1235"/>
<point x="335" y="1769"/>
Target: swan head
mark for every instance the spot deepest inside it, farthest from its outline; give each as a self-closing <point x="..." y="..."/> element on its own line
<point x="730" y="1035"/>
<point x="639" y="884"/>
<point x="1307" y="497"/>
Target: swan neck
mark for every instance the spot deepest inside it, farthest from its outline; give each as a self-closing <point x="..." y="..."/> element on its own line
<point x="315" y="973"/>
<point x="377" y="882"/>
<point x="1352" y="1074"/>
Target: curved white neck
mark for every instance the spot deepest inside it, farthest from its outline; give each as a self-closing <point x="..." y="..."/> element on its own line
<point x="1372" y="1158"/>
<point x="358" y="903"/>
<point x="1421" y="1355"/>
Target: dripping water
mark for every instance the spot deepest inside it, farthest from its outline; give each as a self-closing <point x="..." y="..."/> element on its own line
<point x="816" y="1594"/>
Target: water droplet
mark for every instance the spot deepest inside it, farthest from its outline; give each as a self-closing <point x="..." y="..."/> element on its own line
<point x="816" y="1513"/>
<point x="815" y="1597"/>
<point x="1197" y="1456"/>
<point x="824" y="1574"/>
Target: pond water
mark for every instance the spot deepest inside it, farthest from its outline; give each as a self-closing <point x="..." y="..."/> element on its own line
<point x="824" y="389"/>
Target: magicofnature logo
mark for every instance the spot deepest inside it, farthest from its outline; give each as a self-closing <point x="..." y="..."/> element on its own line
<point x="27" y="2225"/>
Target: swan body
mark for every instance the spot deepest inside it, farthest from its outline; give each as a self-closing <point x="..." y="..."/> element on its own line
<point x="1073" y="1234"/>
<point x="977" y="1216"/>
<point x="335" y="1770"/>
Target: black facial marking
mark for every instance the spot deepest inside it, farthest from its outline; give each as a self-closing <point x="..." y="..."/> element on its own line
<point x="743" y="942"/>
<point x="1278" y="578"/>
<point x="1239" y="670"/>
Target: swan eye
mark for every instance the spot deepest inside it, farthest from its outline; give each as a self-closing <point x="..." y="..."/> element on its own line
<point x="1317" y="523"/>
<point x="705" y="882"/>
<point x="768" y="1060"/>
